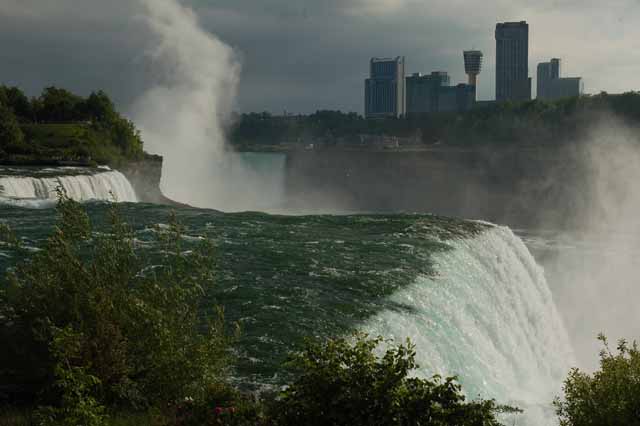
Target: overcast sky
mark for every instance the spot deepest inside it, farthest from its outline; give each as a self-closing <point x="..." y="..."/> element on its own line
<point x="303" y="55"/>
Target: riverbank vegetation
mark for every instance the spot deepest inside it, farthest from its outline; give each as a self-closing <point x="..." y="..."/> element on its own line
<point x="609" y="396"/>
<point x="97" y="330"/>
<point x="534" y="122"/>
<point x="61" y="126"/>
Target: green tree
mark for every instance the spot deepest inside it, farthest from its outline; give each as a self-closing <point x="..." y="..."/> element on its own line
<point x="99" y="107"/>
<point x="10" y="133"/>
<point x="101" y="326"/>
<point x="609" y="396"/>
<point x="125" y="136"/>
<point x="59" y="106"/>
<point x="345" y="383"/>
<point x="15" y="99"/>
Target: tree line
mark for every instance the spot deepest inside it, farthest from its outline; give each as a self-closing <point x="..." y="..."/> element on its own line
<point x="20" y="117"/>
<point x="531" y="122"/>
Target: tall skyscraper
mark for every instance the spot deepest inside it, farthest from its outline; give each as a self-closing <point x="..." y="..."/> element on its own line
<point x="433" y="93"/>
<point x="512" y="62"/>
<point x="551" y="85"/>
<point x="385" y="91"/>
<point x="547" y="71"/>
<point x="423" y="91"/>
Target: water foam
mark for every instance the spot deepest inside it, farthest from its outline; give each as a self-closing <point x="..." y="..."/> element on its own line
<point x="33" y="191"/>
<point x="489" y="318"/>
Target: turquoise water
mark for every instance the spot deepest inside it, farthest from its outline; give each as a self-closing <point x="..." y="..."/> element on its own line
<point x="283" y="278"/>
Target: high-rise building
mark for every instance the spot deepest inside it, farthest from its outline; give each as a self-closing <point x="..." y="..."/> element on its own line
<point x="458" y="98"/>
<point x="472" y="65"/>
<point x="555" y="68"/>
<point x="385" y="92"/>
<point x="512" y="62"/>
<point x="423" y="90"/>
<point x="433" y="93"/>
<point x="543" y="77"/>
<point x="551" y="85"/>
<point x="547" y="71"/>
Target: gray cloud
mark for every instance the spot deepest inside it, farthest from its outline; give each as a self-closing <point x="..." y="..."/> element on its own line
<point x="308" y="54"/>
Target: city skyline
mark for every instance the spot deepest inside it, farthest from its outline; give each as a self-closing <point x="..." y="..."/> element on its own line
<point x="310" y="39"/>
<point x="391" y="92"/>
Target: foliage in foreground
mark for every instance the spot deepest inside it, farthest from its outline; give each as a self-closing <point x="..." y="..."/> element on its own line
<point x="608" y="397"/>
<point x="89" y="324"/>
<point x="347" y="383"/>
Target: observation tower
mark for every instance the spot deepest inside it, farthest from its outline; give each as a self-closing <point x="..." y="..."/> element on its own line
<point x="472" y="65"/>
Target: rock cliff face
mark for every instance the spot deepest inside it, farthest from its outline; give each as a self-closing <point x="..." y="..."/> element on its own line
<point x="145" y="176"/>
<point x="518" y="187"/>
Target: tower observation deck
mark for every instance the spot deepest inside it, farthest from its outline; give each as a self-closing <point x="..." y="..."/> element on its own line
<point x="472" y="65"/>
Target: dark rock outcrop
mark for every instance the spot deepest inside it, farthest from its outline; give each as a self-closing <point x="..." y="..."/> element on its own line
<point x="145" y="176"/>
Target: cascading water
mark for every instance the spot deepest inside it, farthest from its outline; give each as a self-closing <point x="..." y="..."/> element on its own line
<point x="38" y="191"/>
<point x="468" y="294"/>
<point x="488" y="317"/>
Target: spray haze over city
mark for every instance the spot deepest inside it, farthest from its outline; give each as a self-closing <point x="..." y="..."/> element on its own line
<point x="194" y="193"/>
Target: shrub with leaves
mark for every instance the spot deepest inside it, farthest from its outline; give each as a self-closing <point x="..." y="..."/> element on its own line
<point x="222" y="405"/>
<point x="78" y="405"/>
<point x="89" y="321"/>
<point x="609" y="396"/>
<point x="346" y="383"/>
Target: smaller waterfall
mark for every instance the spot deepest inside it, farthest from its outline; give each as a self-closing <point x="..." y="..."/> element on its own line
<point x="34" y="191"/>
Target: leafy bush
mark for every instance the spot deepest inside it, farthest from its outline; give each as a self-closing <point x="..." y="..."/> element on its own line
<point x="610" y="396"/>
<point x="344" y="383"/>
<point x="222" y="405"/>
<point x="96" y="325"/>
<point x="79" y="406"/>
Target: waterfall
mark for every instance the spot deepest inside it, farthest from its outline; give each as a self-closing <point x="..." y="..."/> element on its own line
<point x="35" y="191"/>
<point x="488" y="317"/>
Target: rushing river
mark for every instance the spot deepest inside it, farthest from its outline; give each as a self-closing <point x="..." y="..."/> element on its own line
<point x="469" y="294"/>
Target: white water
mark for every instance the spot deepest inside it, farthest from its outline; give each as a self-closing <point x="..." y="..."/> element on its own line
<point x="41" y="191"/>
<point x="490" y="319"/>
